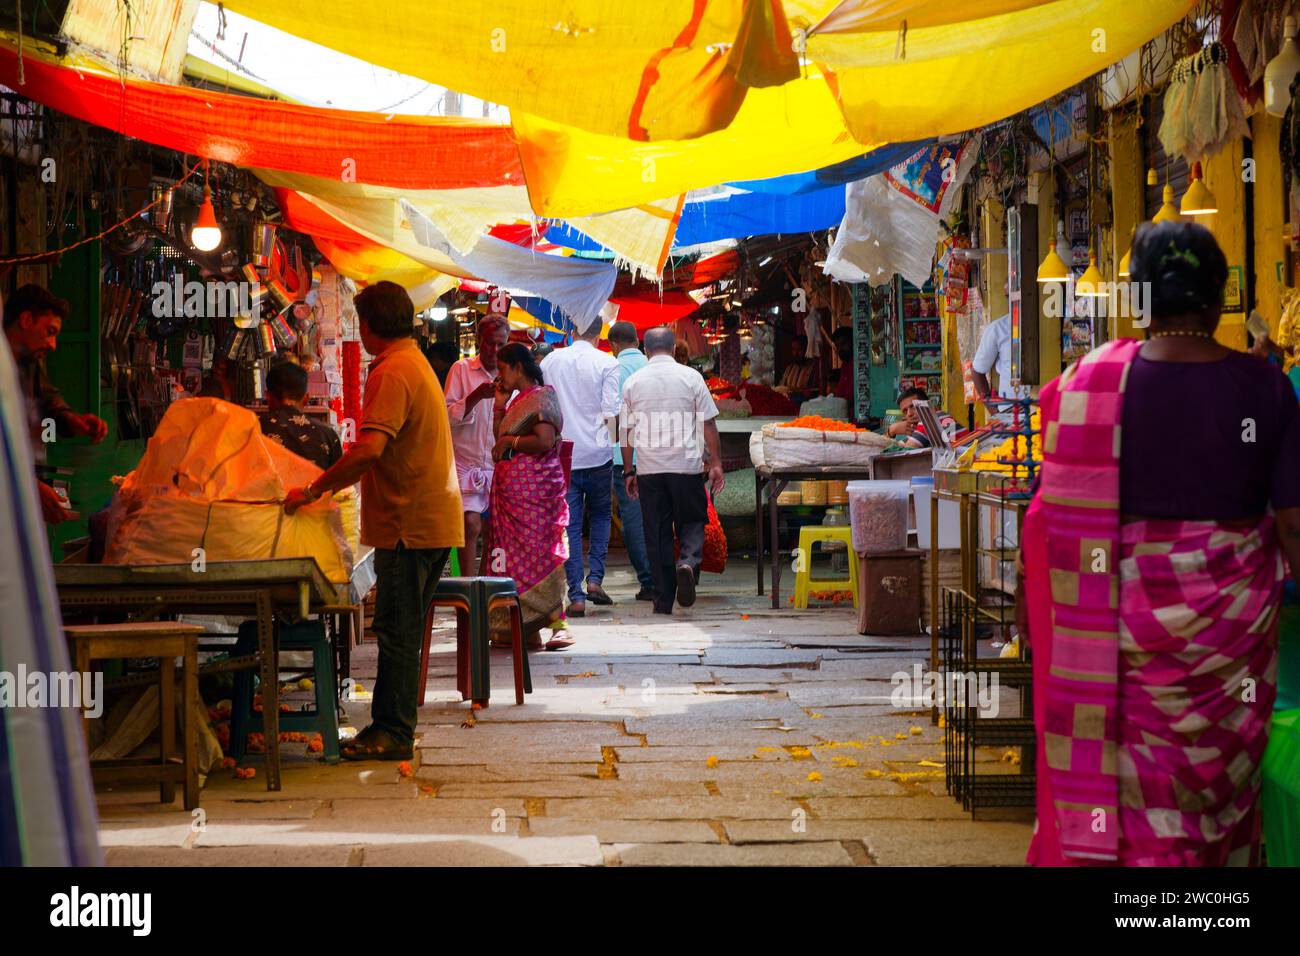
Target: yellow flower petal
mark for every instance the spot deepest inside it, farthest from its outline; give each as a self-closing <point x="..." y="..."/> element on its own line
<point x="711" y="762"/>
<point x="814" y="777"/>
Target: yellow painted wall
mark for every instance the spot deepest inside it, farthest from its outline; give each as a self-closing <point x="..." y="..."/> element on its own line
<point x="1270" y="216"/>
<point x="1049" y="329"/>
<point x="1128" y="181"/>
<point x="1223" y="177"/>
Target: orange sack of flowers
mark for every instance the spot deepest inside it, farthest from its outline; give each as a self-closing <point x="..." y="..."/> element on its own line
<point x="209" y="479"/>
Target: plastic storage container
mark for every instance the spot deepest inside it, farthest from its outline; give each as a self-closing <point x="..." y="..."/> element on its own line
<point x="949" y="517"/>
<point x="814" y="492"/>
<point x="878" y="515"/>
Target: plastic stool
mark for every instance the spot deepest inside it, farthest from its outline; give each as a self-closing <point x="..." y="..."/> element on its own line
<point x="474" y="599"/>
<point x="307" y="636"/>
<point x="803" y="579"/>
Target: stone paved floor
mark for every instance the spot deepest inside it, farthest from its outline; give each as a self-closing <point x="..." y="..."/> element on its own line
<point x="728" y="734"/>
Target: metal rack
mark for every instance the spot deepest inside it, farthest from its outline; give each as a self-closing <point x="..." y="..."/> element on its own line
<point x="961" y="615"/>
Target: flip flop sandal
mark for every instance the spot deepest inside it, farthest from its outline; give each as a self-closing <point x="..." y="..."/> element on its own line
<point x="375" y="745"/>
<point x="558" y="643"/>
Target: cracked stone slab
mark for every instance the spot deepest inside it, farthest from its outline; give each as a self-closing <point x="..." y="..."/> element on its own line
<point x="626" y="831"/>
<point x="335" y="832"/>
<point x="544" y="789"/>
<point x="243" y="857"/>
<point x="489" y="851"/>
<point x="144" y="834"/>
<point x="426" y="808"/>
<point x="674" y="808"/>
<point x="939" y="843"/>
<point x="887" y="808"/>
<point x="697" y="854"/>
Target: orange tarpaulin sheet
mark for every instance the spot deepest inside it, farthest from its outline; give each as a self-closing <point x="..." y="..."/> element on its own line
<point x="404" y="152"/>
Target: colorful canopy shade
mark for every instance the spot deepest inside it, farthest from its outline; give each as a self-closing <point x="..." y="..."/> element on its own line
<point x="406" y="152"/>
<point x="676" y="72"/>
<point x="840" y="174"/>
<point x="901" y="69"/>
<point x="737" y="216"/>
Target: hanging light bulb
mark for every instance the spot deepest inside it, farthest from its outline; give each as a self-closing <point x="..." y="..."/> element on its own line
<point x="1053" y="267"/>
<point x="1123" y="269"/>
<point x="1092" y="282"/>
<point x="1198" y="200"/>
<point x="206" y="234"/>
<point x="1281" y="71"/>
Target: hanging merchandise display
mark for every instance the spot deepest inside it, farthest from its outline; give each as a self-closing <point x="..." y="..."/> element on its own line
<point x="1281" y="71"/>
<point x="892" y="220"/>
<point x="1202" y="110"/>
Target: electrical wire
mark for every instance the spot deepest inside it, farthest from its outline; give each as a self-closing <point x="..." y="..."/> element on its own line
<point x="103" y="232"/>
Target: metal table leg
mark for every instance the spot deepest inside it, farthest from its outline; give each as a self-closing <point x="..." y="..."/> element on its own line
<point x="759" y="482"/>
<point x="775" y="487"/>
<point x="269" y="652"/>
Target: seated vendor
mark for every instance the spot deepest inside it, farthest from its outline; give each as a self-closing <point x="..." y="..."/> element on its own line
<point x="797" y="379"/>
<point x="909" y="429"/>
<point x="285" y="422"/>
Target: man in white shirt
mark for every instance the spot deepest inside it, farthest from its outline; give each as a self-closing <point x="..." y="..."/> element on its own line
<point x="994" y="354"/>
<point x="667" y="418"/>
<point x="623" y="343"/>
<point x="585" y="380"/>
<point x="469" y="394"/>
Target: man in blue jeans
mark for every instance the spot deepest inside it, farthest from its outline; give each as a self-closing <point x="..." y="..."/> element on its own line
<point x="623" y="343"/>
<point x="585" y="380"/>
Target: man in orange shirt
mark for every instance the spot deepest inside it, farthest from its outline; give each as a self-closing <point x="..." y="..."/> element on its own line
<point x="410" y="509"/>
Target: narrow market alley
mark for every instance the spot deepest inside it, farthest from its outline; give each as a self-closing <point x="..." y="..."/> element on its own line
<point x="729" y="734"/>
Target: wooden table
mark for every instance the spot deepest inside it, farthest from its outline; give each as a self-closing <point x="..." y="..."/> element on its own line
<point x="259" y="589"/>
<point x="165" y="641"/>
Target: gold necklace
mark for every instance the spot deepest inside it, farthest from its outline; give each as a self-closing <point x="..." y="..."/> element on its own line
<point x="1162" y="335"/>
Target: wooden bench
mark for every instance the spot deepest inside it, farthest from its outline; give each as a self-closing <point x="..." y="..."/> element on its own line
<point x="166" y="641"/>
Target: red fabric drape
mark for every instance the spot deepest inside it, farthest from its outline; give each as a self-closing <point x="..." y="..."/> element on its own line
<point x="404" y="152"/>
<point x="650" y="311"/>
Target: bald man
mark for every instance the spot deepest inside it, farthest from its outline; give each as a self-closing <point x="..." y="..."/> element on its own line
<point x="470" y="388"/>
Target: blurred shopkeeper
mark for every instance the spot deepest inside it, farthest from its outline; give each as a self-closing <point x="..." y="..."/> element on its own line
<point x="442" y="356"/>
<point x="33" y="318"/>
<point x="843" y="339"/>
<point x="797" y="379"/>
<point x="410" y="509"/>
<point x="285" y="422"/>
<point x="909" y="429"/>
<point x="994" y="355"/>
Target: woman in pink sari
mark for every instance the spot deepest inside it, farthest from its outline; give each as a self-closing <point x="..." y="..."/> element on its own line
<point x="1153" y="555"/>
<point x="529" y="513"/>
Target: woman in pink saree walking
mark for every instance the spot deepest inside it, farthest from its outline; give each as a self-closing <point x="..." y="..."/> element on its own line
<point x="529" y="513"/>
<point x="1153" y="577"/>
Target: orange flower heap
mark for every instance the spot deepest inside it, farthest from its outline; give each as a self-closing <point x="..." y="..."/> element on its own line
<point x="821" y="424"/>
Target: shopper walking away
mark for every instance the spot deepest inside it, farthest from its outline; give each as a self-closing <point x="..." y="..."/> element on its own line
<point x="286" y="424"/>
<point x="410" y="509"/>
<point x="666" y="420"/>
<point x="585" y="380"/>
<point x="1153" y="582"/>
<point x="529" y="512"/>
<point x="470" y="390"/>
<point x="33" y="319"/>
<point x="623" y="342"/>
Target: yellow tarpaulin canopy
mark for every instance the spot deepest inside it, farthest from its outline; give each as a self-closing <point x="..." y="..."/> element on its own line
<point x="955" y="76"/>
<point x="903" y="69"/>
<point x="671" y="70"/>
<point x="788" y="129"/>
<point x="589" y="81"/>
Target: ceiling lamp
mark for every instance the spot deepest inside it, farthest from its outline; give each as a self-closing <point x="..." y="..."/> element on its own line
<point x="1198" y="200"/>
<point x="1092" y="282"/>
<point x="1053" y="268"/>
<point x="206" y="234"/>
<point x="1168" y="212"/>
<point x="1281" y="72"/>
<point x="1123" y="269"/>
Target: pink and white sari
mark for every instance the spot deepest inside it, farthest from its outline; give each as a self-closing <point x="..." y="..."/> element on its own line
<point x="1154" y="652"/>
